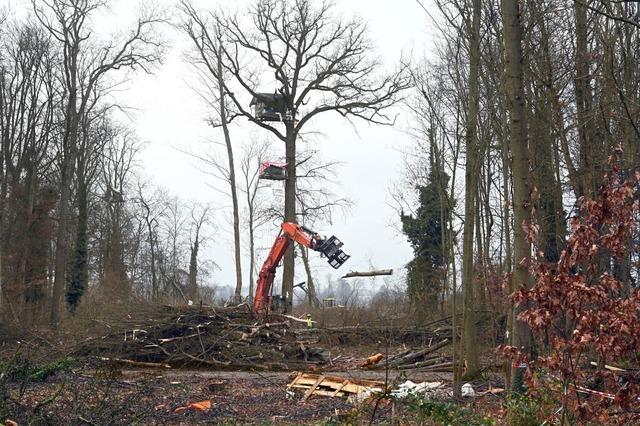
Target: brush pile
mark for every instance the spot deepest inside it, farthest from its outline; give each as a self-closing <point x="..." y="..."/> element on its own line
<point x="224" y="338"/>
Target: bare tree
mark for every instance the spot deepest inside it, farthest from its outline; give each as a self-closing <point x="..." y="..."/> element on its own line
<point x="119" y="161"/>
<point x="199" y="217"/>
<point x="28" y="100"/>
<point x="152" y="211"/>
<point x="172" y="262"/>
<point x="84" y="67"/>
<point x="257" y="213"/>
<point x="97" y="131"/>
<point x="320" y="64"/>
<point x="212" y="92"/>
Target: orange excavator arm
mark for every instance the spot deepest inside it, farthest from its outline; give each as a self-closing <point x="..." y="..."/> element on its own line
<point x="292" y="232"/>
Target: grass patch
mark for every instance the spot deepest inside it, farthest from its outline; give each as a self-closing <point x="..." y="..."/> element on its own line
<point x="22" y="370"/>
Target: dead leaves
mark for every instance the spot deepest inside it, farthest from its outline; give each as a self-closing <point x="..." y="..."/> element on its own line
<point x="577" y="305"/>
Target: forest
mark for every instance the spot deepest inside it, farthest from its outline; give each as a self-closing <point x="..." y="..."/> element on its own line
<point x="515" y="195"/>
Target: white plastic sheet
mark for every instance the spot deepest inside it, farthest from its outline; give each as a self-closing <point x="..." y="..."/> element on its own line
<point x="415" y="389"/>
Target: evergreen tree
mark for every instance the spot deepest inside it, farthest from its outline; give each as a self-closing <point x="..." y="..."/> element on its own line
<point x="424" y="231"/>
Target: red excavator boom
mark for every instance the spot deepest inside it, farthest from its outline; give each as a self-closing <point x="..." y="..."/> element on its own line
<point x="328" y="247"/>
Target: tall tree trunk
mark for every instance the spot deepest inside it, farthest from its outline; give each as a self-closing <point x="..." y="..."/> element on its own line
<point x="252" y="248"/>
<point x="155" y="293"/>
<point x="584" y="101"/>
<point x="79" y="275"/>
<point x="288" y="271"/>
<point x="232" y="184"/>
<point x="70" y="141"/>
<point x="456" y="345"/>
<point x="554" y="133"/>
<point x="507" y="264"/>
<point x="471" y="186"/>
<point x="522" y="338"/>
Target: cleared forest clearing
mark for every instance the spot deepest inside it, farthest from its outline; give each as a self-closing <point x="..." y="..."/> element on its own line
<point x="177" y="365"/>
<point x="310" y="211"/>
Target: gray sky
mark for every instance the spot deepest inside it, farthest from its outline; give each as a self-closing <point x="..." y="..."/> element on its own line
<point x="170" y="117"/>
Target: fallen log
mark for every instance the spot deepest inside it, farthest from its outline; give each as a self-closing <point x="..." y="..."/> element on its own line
<point x="444" y="367"/>
<point x="398" y="355"/>
<point x="425" y="363"/>
<point x="354" y="274"/>
<point x="135" y="363"/>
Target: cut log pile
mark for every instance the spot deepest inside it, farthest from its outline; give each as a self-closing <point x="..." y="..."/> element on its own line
<point x="229" y="338"/>
<point x="421" y="359"/>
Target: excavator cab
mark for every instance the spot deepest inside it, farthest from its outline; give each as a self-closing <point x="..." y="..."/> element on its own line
<point x="330" y="248"/>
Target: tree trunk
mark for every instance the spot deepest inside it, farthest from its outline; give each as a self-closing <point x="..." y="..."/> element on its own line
<point x="192" y="290"/>
<point x="152" y="248"/>
<point x="252" y="249"/>
<point x="154" y="278"/>
<point x="80" y="268"/>
<point x="232" y="184"/>
<point x="522" y="338"/>
<point x="456" y="345"/>
<point x="507" y="264"/>
<point x="70" y="139"/>
<point x="312" y="298"/>
<point x="288" y="271"/>
<point x="470" y="341"/>
<point x="583" y="101"/>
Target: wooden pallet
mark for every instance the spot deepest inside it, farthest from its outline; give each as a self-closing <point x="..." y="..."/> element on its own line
<point x="332" y="386"/>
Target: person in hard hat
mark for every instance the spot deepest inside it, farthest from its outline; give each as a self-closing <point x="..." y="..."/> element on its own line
<point x="309" y="321"/>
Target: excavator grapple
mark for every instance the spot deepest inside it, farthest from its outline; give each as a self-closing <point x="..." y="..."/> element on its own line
<point x="330" y="248"/>
<point x="292" y="232"/>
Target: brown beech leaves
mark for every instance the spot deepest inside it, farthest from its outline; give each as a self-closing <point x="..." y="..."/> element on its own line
<point x="584" y="309"/>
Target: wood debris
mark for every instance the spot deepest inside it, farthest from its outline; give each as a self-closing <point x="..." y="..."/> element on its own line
<point x="609" y="367"/>
<point x="333" y="386"/>
<point x="423" y="359"/>
<point x="134" y="363"/>
<point x="372" y="360"/>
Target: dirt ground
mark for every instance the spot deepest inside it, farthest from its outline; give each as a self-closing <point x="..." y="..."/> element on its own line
<point x="90" y="396"/>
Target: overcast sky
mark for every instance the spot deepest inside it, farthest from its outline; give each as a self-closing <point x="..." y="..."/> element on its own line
<point x="169" y="117"/>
